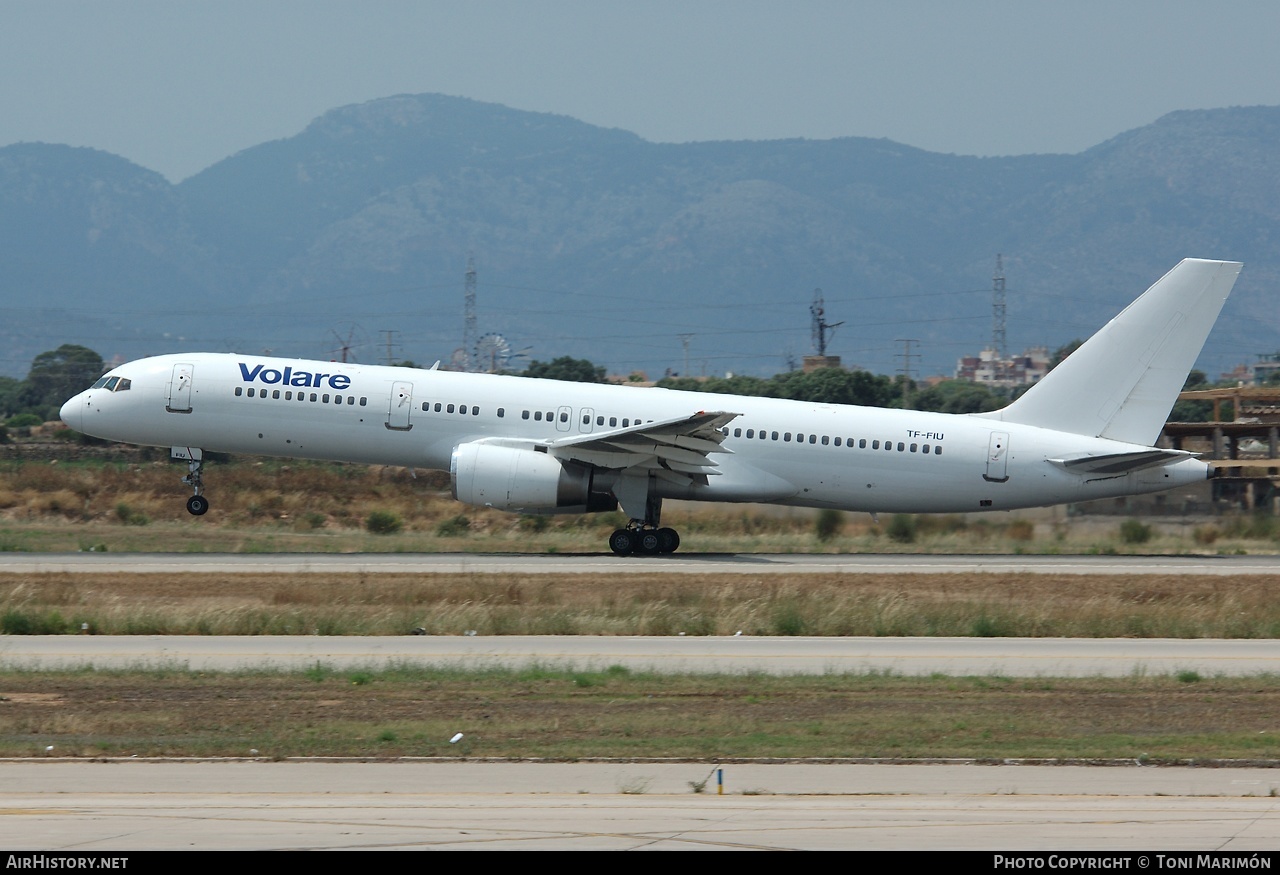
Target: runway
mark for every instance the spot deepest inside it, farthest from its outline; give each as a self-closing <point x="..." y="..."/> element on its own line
<point x="117" y="807"/>
<point x="1003" y="657"/>
<point x="608" y="564"/>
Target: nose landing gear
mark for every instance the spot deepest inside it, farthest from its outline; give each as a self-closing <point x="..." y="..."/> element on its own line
<point x="197" y="504"/>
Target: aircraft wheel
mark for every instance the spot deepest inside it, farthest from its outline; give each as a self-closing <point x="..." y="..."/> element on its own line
<point x="649" y="543"/>
<point x="622" y="542"/>
<point x="668" y="540"/>
<point x="197" y="505"/>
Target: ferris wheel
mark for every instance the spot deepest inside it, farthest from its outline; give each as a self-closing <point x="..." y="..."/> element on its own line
<point x="492" y="353"/>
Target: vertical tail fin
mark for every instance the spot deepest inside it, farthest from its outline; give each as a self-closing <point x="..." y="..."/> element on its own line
<point x="1123" y="381"/>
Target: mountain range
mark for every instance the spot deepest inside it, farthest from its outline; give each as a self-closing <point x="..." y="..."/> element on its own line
<point x="594" y="243"/>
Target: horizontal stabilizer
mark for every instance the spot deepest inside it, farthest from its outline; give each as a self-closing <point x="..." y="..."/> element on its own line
<point x="1121" y="463"/>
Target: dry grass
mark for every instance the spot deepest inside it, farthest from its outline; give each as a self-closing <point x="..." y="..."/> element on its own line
<point x="985" y="605"/>
<point x="615" y="713"/>
<point x="269" y="506"/>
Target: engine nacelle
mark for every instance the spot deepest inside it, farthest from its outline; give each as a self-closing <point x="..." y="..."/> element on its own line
<point x="524" y="480"/>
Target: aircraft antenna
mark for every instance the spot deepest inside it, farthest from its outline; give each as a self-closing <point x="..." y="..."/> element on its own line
<point x="469" y="316"/>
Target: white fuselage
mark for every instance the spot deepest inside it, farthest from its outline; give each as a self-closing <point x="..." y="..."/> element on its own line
<point x="777" y="451"/>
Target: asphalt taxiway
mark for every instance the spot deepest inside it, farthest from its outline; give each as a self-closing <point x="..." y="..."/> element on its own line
<point x="117" y="807"/>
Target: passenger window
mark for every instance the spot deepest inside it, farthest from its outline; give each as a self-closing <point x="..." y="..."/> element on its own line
<point x="502" y="412"/>
<point x="775" y="435"/>
<point x="564" y="417"/>
<point x="364" y="402"/>
<point x="426" y="406"/>
<point x="449" y="409"/>
<point x="786" y="437"/>
<point x="475" y="411"/>
<point x="626" y="423"/>
<point x="351" y="400"/>
<point x="875" y="445"/>
<point x="826" y="440"/>
<point x="737" y="432"/>
<point x="862" y="444"/>
<point x="251" y="391"/>
<point x="275" y="394"/>
<point x="313" y="397"/>
<point x="326" y="397"/>
<point x="288" y="395"/>
<point x="613" y="421"/>
<point x="524" y="415"/>
<point x="913" y="448"/>
<point x="439" y="407"/>
<point x="751" y="432"/>
<point x="899" y="446"/>
<point x="937" y="451"/>
<point x="537" y="415"/>
<point x="813" y="439"/>
<point x="599" y="420"/>
<point x="239" y="391"/>
<point x="925" y="449"/>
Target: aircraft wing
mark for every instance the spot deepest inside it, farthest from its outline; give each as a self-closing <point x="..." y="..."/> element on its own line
<point x="1121" y="463"/>
<point x="677" y="449"/>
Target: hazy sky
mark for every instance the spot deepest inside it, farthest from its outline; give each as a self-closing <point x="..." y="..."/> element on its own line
<point x="176" y="86"/>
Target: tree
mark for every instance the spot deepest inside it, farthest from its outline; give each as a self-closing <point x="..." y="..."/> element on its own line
<point x="566" y="368"/>
<point x="1193" y="411"/>
<point x="10" y="396"/>
<point x="837" y="386"/>
<point x="1060" y="354"/>
<point x="58" y="374"/>
<point x="957" y="396"/>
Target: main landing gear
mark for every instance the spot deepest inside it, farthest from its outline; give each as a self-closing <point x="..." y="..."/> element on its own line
<point x="645" y="539"/>
<point x="197" y="504"/>
<point x="638" y="496"/>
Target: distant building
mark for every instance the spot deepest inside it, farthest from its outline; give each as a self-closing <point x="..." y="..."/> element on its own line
<point x="1020" y="370"/>
<point x="818" y="362"/>
<point x="1266" y="365"/>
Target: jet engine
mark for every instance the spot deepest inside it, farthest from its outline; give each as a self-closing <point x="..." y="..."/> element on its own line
<point x="524" y="479"/>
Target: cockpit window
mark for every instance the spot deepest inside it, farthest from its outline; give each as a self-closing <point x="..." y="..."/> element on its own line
<point x="113" y="384"/>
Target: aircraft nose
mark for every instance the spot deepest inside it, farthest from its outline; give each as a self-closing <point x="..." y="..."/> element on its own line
<point x="72" y="413"/>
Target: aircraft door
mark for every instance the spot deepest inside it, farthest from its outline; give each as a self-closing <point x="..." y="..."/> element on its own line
<point x="997" y="457"/>
<point x="564" y="419"/>
<point x="400" y="406"/>
<point x="585" y="417"/>
<point x="178" y="399"/>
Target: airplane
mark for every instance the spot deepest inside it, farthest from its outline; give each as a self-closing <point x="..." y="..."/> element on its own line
<point x="1087" y="430"/>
